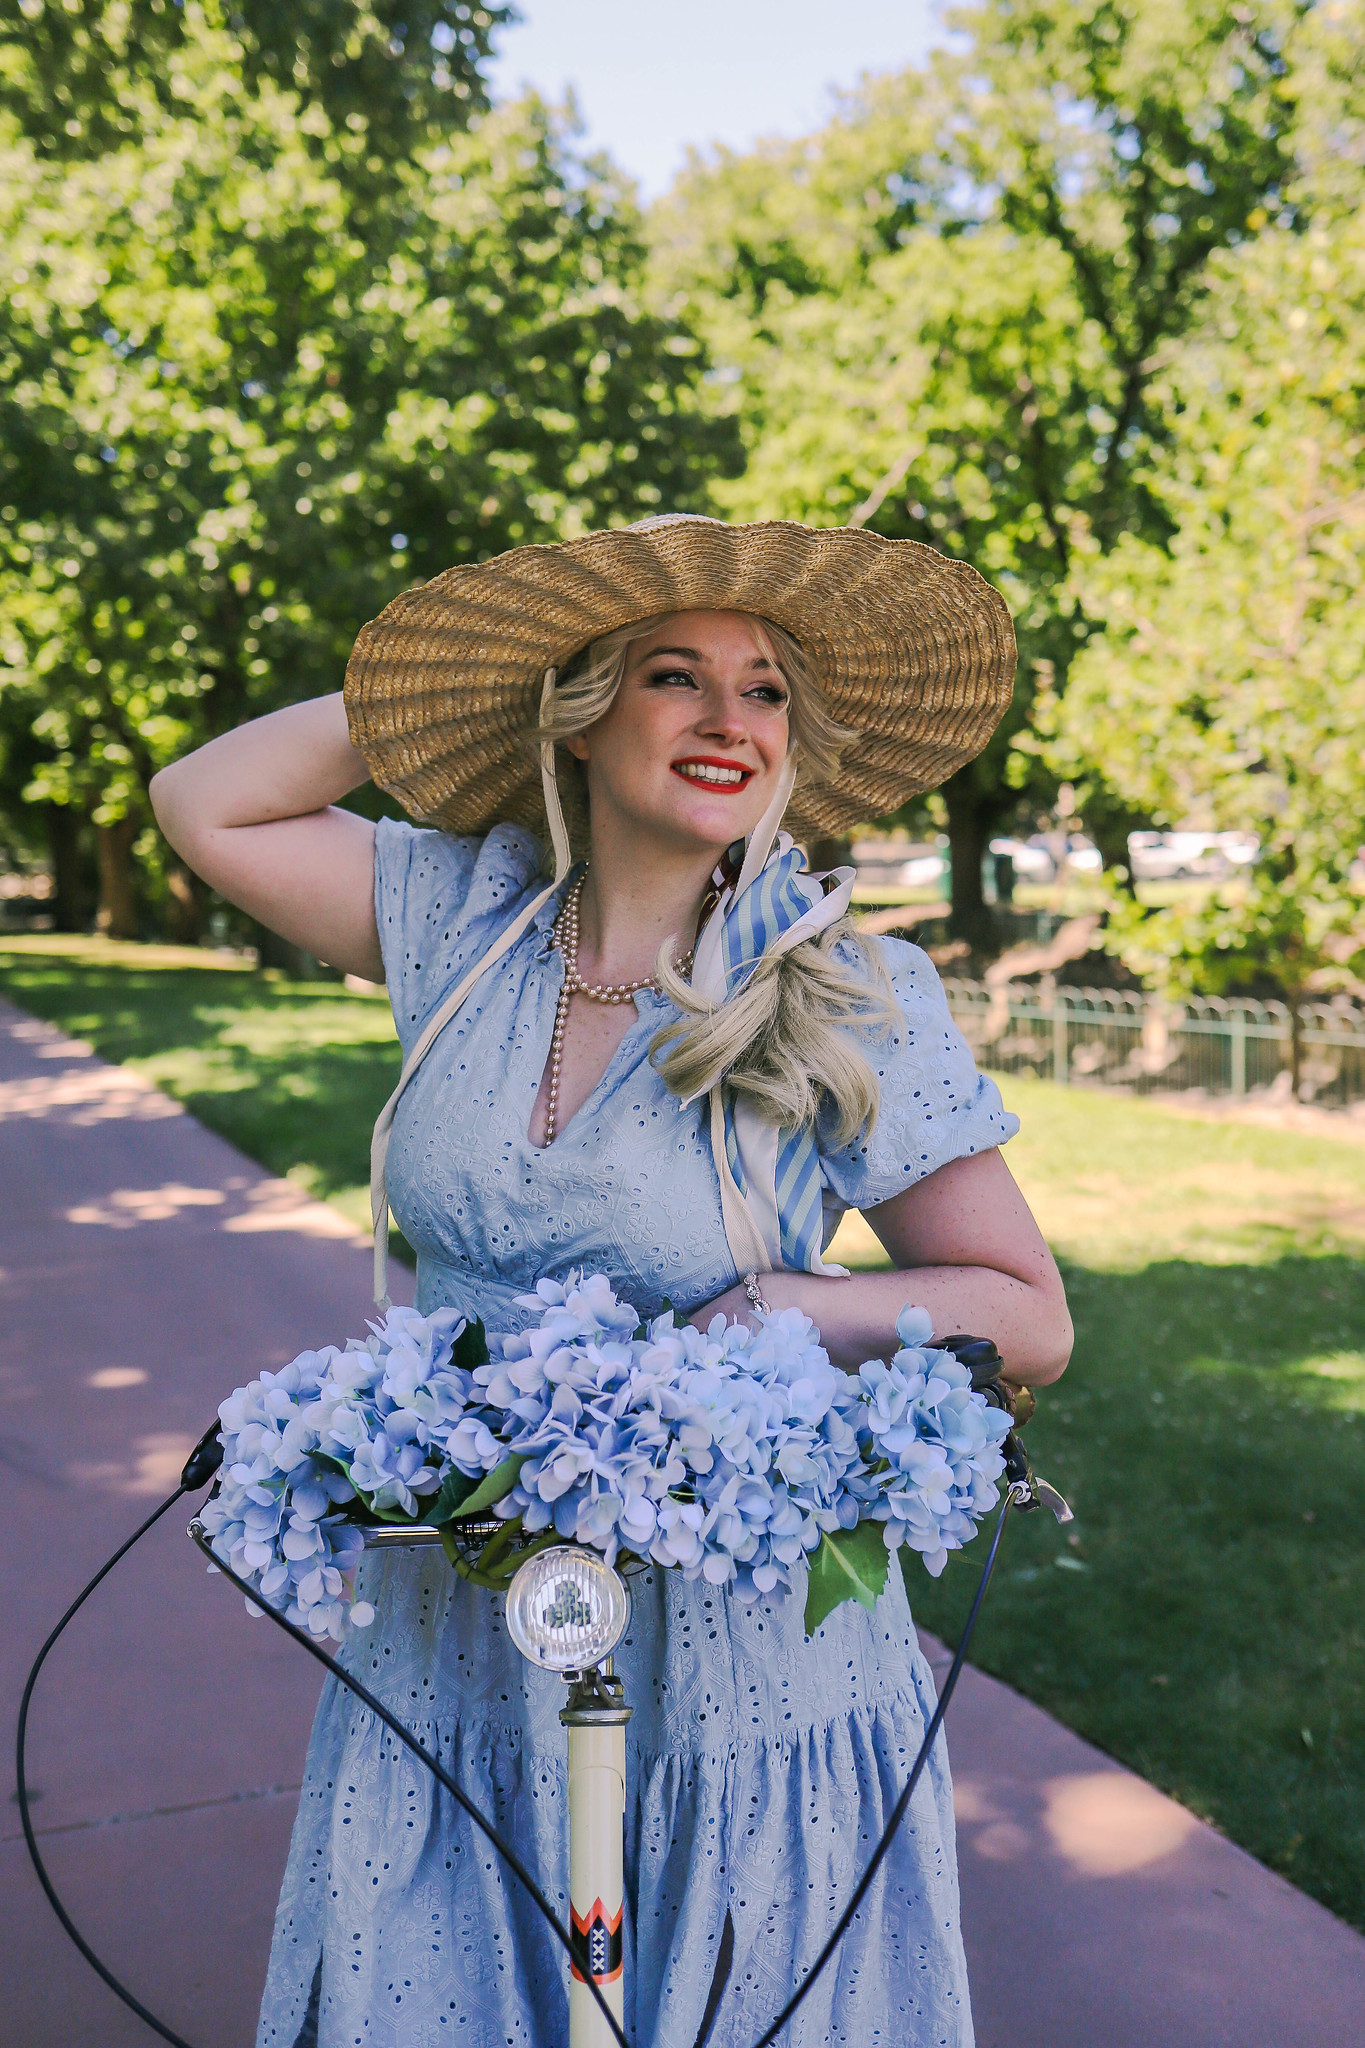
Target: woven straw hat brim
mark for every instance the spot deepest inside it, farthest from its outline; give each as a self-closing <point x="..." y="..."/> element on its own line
<point x="915" y="652"/>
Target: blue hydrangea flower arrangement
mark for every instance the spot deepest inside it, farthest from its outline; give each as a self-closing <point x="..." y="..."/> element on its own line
<point x="740" y="1456"/>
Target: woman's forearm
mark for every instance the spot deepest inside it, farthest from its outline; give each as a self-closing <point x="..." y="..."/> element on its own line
<point x="288" y="765"/>
<point x="1029" y="1323"/>
<point x="252" y="813"/>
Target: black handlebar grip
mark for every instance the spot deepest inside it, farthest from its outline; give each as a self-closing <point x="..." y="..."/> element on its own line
<point x="978" y="1354"/>
<point x="204" y="1460"/>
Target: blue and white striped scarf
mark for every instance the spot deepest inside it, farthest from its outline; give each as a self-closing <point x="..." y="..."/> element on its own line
<point x="773" y="1203"/>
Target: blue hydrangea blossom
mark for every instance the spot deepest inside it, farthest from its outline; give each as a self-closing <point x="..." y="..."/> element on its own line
<point x="724" y="1453"/>
<point x="931" y="1447"/>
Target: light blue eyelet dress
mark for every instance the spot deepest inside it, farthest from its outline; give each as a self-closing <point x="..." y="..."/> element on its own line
<point x="761" y="1767"/>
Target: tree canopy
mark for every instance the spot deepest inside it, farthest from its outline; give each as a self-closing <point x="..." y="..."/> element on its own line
<point x="942" y="315"/>
<point x="84" y="76"/>
<point x="289" y="318"/>
<point x="1225" y="687"/>
<point x="242" y="403"/>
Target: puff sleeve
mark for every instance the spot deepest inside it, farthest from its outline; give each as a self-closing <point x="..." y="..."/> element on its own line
<point x="440" y="903"/>
<point x="935" y="1106"/>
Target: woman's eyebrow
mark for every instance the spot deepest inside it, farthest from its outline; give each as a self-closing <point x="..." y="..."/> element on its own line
<point x="692" y="653"/>
<point x="695" y="654"/>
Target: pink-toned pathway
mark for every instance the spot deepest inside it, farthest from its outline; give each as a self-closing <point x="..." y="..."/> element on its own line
<point x="145" y="1269"/>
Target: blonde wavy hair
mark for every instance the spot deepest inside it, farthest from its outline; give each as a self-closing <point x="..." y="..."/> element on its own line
<point x="788" y="1040"/>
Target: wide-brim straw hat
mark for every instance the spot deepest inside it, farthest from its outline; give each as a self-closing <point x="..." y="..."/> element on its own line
<point x="915" y="652"/>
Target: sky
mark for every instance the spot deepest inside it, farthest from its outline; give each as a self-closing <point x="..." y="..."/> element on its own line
<point x="652" y="76"/>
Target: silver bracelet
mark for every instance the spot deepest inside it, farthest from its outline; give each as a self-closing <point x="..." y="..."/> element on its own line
<point x="755" y="1294"/>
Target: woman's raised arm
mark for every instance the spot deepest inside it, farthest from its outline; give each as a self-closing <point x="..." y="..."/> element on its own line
<point x="252" y="813"/>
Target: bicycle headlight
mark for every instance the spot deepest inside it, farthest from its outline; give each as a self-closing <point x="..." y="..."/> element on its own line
<point x="567" y="1609"/>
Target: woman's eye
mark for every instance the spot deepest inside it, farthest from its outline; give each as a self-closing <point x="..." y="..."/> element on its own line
<point x="769" y="693"/>
<point x="673" y="675"/>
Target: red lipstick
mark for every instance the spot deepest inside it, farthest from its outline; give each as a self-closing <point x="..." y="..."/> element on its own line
<point x="726" y="777"/>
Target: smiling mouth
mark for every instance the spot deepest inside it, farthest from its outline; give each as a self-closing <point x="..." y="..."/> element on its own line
<point x="714" y="774"/>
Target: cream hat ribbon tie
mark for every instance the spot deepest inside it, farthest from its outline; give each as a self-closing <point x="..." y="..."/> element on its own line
<point x="436" y="1024"/>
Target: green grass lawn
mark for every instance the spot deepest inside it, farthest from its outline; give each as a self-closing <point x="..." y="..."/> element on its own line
<point x="1203" y="1620"/>
<point x="294" y="1072"/>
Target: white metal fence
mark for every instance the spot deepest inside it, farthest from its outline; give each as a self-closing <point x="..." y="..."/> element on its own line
<point x="1222" y="1046"/>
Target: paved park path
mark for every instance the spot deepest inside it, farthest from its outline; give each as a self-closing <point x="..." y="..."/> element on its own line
<point x="145" y="1269"/>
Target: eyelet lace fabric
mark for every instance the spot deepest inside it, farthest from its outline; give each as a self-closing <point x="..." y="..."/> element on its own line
<point x="761" y="1766"/>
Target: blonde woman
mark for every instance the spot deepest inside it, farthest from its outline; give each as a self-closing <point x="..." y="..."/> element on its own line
<point x="644" y="1040"/>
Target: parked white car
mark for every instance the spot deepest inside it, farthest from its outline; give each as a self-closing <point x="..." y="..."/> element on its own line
<point x="1031" y="858"/>
<point x="1083" y="854"/>
<point x="1037" y="859"/>
<point x="1187" y="856"/>
<point x="899" y="864"/>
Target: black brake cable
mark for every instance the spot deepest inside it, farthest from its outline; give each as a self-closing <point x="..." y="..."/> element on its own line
<point x="409" y="1740"/>
<point x="898" y="1810"/>
<point x="200" y="1467"/>
<point x="21" y="1791"/>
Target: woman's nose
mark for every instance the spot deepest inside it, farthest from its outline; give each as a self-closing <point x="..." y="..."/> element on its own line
<point x="723" y="718"/>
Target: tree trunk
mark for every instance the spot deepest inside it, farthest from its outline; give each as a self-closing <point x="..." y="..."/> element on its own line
<point x="283" y="954"/>
<point x="73" y="891"/>
<point x="968" y="832"/>
<point x="117" y="915"/>
<point x="1108" y="821"/>
<point x="830" y="853"/>
<point x="187" y="906"/>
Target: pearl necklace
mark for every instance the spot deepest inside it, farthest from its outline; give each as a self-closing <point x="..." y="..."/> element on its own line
<point x="566" y="940"/>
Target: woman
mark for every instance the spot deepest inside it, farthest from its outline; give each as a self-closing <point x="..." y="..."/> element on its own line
<point x="580" y="1091"/>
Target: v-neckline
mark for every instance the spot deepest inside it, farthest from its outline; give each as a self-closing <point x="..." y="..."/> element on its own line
<point x="555" y="961"/>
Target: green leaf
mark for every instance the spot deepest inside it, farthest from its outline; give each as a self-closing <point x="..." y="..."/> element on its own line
<point x="471" y="1347"/>
<point x="336" y="1464"/>
<point x="456" y="1488"/>
<point x="462" y="1494"/>
<point x="851" y="1565"/>
<point x="389" y="1514"/>
<point x="489" y="1490"/>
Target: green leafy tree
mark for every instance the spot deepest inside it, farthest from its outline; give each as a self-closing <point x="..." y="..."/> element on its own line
<point x="242" y="403"/>
<point x="84" y="76"/>
<point x="942" y="316"/>
<point x="1227" y="690"/>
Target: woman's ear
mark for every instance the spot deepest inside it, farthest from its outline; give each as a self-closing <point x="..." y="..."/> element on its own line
<point x="578" y="746"/>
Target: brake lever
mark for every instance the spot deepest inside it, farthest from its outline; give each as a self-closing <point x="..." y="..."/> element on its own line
<point x="986" y="1367"/>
